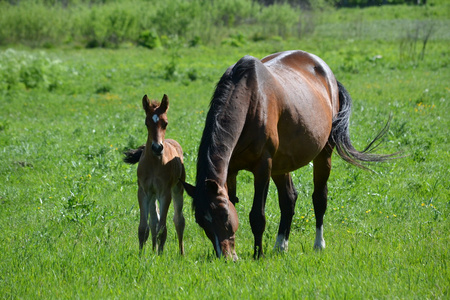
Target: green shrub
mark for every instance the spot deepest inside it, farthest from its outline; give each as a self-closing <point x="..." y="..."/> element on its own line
<point x="33" y="24"/>
<point x="106" y="23"/>
<point x="31" y="71"/>
<point x="149" y="39"/>
<point x="279" y="20"/>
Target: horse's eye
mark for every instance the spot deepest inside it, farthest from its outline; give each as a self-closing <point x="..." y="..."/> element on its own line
<point x="164" y="125"/>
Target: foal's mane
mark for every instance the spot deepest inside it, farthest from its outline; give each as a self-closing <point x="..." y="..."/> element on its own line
<point x="214" y="132"/>
<point x="154" y="103"/>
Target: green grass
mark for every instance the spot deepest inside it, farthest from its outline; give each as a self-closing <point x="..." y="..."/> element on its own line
<point x="68" y="204"/>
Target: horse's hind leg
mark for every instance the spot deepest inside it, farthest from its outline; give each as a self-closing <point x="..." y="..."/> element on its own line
<point x="178" y="217"/>
<point x="322" y="168"/>
<point x="287" y="197"/>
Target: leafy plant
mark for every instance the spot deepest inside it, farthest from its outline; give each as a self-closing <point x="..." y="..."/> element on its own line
<point x="30" y="70"/>
<point x="149" y="39"/>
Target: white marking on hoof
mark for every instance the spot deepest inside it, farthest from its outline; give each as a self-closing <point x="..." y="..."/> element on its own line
<point x="155" y="118"/>
<point x="319" y="243"/>
<point x="281" y="244"/>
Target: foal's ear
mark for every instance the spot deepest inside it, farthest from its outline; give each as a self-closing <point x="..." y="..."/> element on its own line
<point x="146" y="103"/>
<point x="190" y="189"/>
<point x="164" y="103"/>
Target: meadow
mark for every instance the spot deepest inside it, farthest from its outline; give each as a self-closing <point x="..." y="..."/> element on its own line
<point x="68" y="204"/>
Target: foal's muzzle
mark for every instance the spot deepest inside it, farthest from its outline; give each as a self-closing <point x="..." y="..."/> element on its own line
<point x="157" y="149"/>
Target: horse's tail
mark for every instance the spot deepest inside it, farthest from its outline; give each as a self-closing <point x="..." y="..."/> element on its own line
<point x="132" y="156"/>
<point x="340" y="136"/>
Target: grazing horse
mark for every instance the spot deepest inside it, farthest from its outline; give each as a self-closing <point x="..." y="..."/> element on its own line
<point x="159" y="173"/>
<point x="271" y="117"/>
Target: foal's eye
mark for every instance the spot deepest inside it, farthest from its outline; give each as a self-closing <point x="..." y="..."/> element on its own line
<point x="164" y="125"/>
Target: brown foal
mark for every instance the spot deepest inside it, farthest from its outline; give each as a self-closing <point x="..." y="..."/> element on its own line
<point x="159" y="173"/>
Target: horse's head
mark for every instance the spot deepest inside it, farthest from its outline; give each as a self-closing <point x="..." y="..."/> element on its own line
<point x="215" y="213"/>
<point x="156" y="122"/>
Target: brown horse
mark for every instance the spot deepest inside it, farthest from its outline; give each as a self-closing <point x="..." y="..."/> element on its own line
<point x="271" y="117"/>
<point x="159" y="173"/>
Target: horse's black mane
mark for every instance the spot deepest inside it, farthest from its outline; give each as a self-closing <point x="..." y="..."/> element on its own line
<point x="218" y="112"/>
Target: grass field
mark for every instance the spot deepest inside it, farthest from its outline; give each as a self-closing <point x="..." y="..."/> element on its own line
<point x="68" y="204"/>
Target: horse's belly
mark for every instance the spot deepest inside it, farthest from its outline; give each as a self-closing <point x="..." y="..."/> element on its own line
<point x="297" y="156"/>
<point x="299" y="145"/>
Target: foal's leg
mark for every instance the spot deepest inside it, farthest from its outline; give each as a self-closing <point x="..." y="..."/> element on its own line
<point x="154" y="219"/>
<point x="178" y="218"/>
<point x="143" y="230"/>
<point x="287" y="197"/>
<point x="161" y="230"/>
<point x="257" y="213"/>
<point x="322" y="168"/>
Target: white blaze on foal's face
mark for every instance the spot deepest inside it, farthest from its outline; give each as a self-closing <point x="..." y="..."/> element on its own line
<point x="155" y="118"/>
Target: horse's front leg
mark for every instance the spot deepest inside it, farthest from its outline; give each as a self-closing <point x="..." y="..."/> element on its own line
<point x="231" y="186"/>
<point x="322" y="168"/>
<point x="257" y="213"/>
<point x="287" y="197"/>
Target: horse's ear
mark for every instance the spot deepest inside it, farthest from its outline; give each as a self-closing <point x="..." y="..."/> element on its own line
<point x="146" y="103"/>
<point x="212" y="186"/>
<point x="164" y="103"/>
<point x="214" y="189"/>
<point x="190" y="189"/>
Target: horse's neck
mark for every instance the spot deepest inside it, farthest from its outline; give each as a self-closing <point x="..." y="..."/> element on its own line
<point x="219" y="139"/>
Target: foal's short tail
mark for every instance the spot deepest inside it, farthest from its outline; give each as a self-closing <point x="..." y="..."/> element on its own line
<point x="132" y="156"/>
<point x="340" y="136"/>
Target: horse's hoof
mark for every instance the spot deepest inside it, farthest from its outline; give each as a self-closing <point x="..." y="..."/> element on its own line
<point x="319" y="245"/>
<point x="281" y="245"/>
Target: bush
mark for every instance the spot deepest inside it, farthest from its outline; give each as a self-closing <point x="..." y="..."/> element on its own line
<point x="33" y="24"/>
<point x="107" y="23"/>
<point x="280" y="20"/>
<point x="149" y="39"/>
<point x="109" y="26"/>
<point x="30" y="71"/>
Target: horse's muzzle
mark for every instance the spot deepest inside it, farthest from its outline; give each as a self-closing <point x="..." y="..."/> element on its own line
<point x="225" y="249"/>
<point x="157" y="149"/>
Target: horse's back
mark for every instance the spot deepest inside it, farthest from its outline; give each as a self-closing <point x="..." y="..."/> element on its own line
<point x="307" y="69"/>
<point x="307" y="96"/>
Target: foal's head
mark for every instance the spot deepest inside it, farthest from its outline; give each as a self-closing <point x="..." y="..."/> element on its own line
<point x="156" y="122"/>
